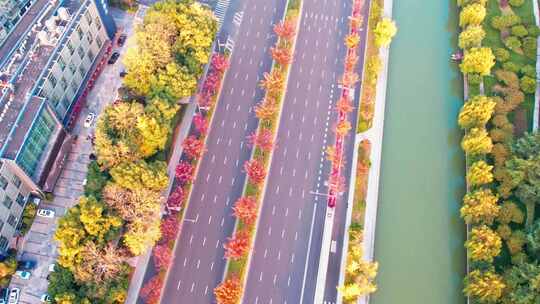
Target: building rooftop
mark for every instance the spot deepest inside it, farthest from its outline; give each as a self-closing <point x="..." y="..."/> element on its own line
<point x="26" y="63"/>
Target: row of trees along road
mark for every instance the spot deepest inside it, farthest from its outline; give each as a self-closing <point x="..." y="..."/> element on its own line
<point x="118" y="217"/>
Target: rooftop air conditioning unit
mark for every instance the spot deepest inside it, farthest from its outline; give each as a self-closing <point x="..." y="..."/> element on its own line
<point x="50" y="24"/>
<point x="63" y="14"/>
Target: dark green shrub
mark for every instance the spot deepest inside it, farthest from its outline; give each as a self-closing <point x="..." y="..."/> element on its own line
<point x="516" y="3"/>
<point x="512" y="43"/>
<point x="519" y="31"/>
<point x="512" y="66"/>
<point x="528" y="84"/>
<point x="501" y="54"/>
<point x="95" y="180"/>
<point x="528" y="70"/>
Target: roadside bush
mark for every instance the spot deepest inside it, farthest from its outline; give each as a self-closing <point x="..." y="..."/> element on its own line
<point x="512" y="67"/>
<point x="472" y="14"/>
<point x="501" y="22"/>
<point x="528" y="84"/>
<point x="472" y="36"/>
<point x="528" y="70"/>
<point x="474" y="79"/>
<point x="529" y="47"/>
<point x="534" y="31"/>
<point x="512" y="43"/>
<point x="516" y="3"/>
<point x="501" y="54"/>
<point x="519" y="31"/>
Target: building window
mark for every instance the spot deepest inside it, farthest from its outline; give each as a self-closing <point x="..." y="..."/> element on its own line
<point x="70" y="47"/>
<point x="12" y="220"/>
<point x="7" y="202"/>
<point x="90" y="38"/>
<point x="1" y="225"/>
<point x="98" y="23"/>
<point x="3" y="182"/>
<point x="72" y="68"/>
<point x="65" y="102"/>
<point x="3" y="243"/>
<point x="74" y="85"/>
<point x="20" y="200"/>
<point x="80" y="51"/>
<point x="16" y="181"/>
<point x="79" y="32"/>
<point x="90" y="55"/>
<point x="82" y="71"/>
<point x="88" y="17"/>
<point x="61" y="63"/>
<point x="63" y="83"/>
<point x="52" y="80"/>
<point x="99" y="42"/>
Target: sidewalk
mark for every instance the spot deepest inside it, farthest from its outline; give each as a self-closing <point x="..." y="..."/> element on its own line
<point x="375" y="136"/>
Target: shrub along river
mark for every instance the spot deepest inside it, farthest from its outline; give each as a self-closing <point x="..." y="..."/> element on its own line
<point x="419" y="240"/>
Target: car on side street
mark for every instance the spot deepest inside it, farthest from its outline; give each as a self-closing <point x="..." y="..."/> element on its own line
<point x="45" y="213"/>
<point x="14" y="295"/>
<point x="26" y="265"/>
<point x="45" y="298"/>
<point x="89" y="119"/>
<point x="121" y="40"/>
<point x="23" y="274"/>
<point x="113" y="58"/>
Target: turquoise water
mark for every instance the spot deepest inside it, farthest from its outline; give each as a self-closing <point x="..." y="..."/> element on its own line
<point x="419" y="240"/>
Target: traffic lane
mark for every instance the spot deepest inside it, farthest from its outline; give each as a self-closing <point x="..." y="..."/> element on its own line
<point x="339" y="228"/>
<point x="225" y="232"/>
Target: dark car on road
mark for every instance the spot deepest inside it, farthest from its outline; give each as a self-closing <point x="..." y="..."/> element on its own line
<point x="121" y="40"/>
<point x="113" y="58"/>
<point x="26" y="265"/>
<point x="3" y="295"/>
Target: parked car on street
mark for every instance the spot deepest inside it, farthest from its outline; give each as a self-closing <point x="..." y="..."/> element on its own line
<point x="26" y="265"/>
<point x="121" y="40"/>
<point x="45" y="213"/>
<point x="89" y="119"/>
<point x="14" y="296"/>
<point x="4" y="295"/>
<point x="51" y="267"/>
<point x="45" y="298"/>
<point x="23" y="274"/>
<point x="113" y="58"/>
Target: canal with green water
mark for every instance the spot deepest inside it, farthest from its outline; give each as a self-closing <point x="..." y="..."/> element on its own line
<point x="419" y="237"/>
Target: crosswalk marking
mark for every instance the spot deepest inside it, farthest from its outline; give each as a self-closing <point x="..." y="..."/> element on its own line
<point x="221" y="9"/>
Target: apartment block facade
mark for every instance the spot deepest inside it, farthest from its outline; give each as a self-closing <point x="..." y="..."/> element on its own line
<point x="42" y="75"/>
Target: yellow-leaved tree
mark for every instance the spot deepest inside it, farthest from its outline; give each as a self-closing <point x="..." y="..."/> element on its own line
<point x="486" y="286"/>
<point x="484" y="244"/>
<point x="478" y="61"/>
<point x="472" y="14"/>
<point x="384" y="31"/>
<point x="480" y="206"/>
<point x="479" y="173"/>
<point x="477" y="141"/>
<point x="141" y="174"/>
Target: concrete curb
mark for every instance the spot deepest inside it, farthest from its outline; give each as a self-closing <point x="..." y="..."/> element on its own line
<point x="537" y="93"/>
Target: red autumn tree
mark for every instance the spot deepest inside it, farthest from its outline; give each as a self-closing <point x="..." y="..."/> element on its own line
<point x="272" y="81"/>
<point x="162" y="256"/>
<point x="200" y="122"/>
<point x="285" y="30"/>
<point x="184" y="172"/>
<point x="344" y="105"/>
<point x="211" y="83"/>
<point x="169" y="228"/>
<point x="176" y="198"/>
<point x="350" y="62"/>
<point x="193" y="147"/>
<point x="237" y="246"/>
<point x="255" y="171"/>
<point x="281" y="55"/>
<point x="219" y="63"/>
<point x="228" y="292"/>
<point x="245" y="209"/>
<point x="151" y="291"/>
<point x="349" y="79"/>
<point x="265" y="110"/>
<point x="264" y="140"/>
<point x="343" y="127"/>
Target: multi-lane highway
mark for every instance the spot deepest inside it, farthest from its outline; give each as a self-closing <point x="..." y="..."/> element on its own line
<point x="198" y="264"/>
<point x="284" y="264"/>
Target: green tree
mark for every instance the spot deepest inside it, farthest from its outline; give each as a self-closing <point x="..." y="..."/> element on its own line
<point x="528" y="84"/>
<point x="95" y="180"/>
<point x="141" y="174"/>
<point x="523" y="285"/>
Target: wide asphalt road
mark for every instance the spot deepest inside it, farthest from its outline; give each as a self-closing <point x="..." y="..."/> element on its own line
<point x="285" y="260"/>
<point x="198" y="264"/>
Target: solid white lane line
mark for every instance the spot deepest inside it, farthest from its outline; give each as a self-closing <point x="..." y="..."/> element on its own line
<point x="211" y="266"/>
<point x="204" y="241"/>
<point x="275" y="279"/>
<point x="283" y="233"/>
<point x="260" y="277"/>
<point x="292" y="258"/>
<point x="178" y="286"/>
<point x="192" y="287"/>
<point x="222" y="220"/>
<point x="308" y="251"/>
<point x="300" y="214"/>
<point x="217" y="244"/>
<point x="190" y="240"/>
<point x="185" y="262"/>
<point x="296" y="236"/>
<point x="288" y="282"/>
<point x="198" y="263"/>
<point x="206" y="290"/>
